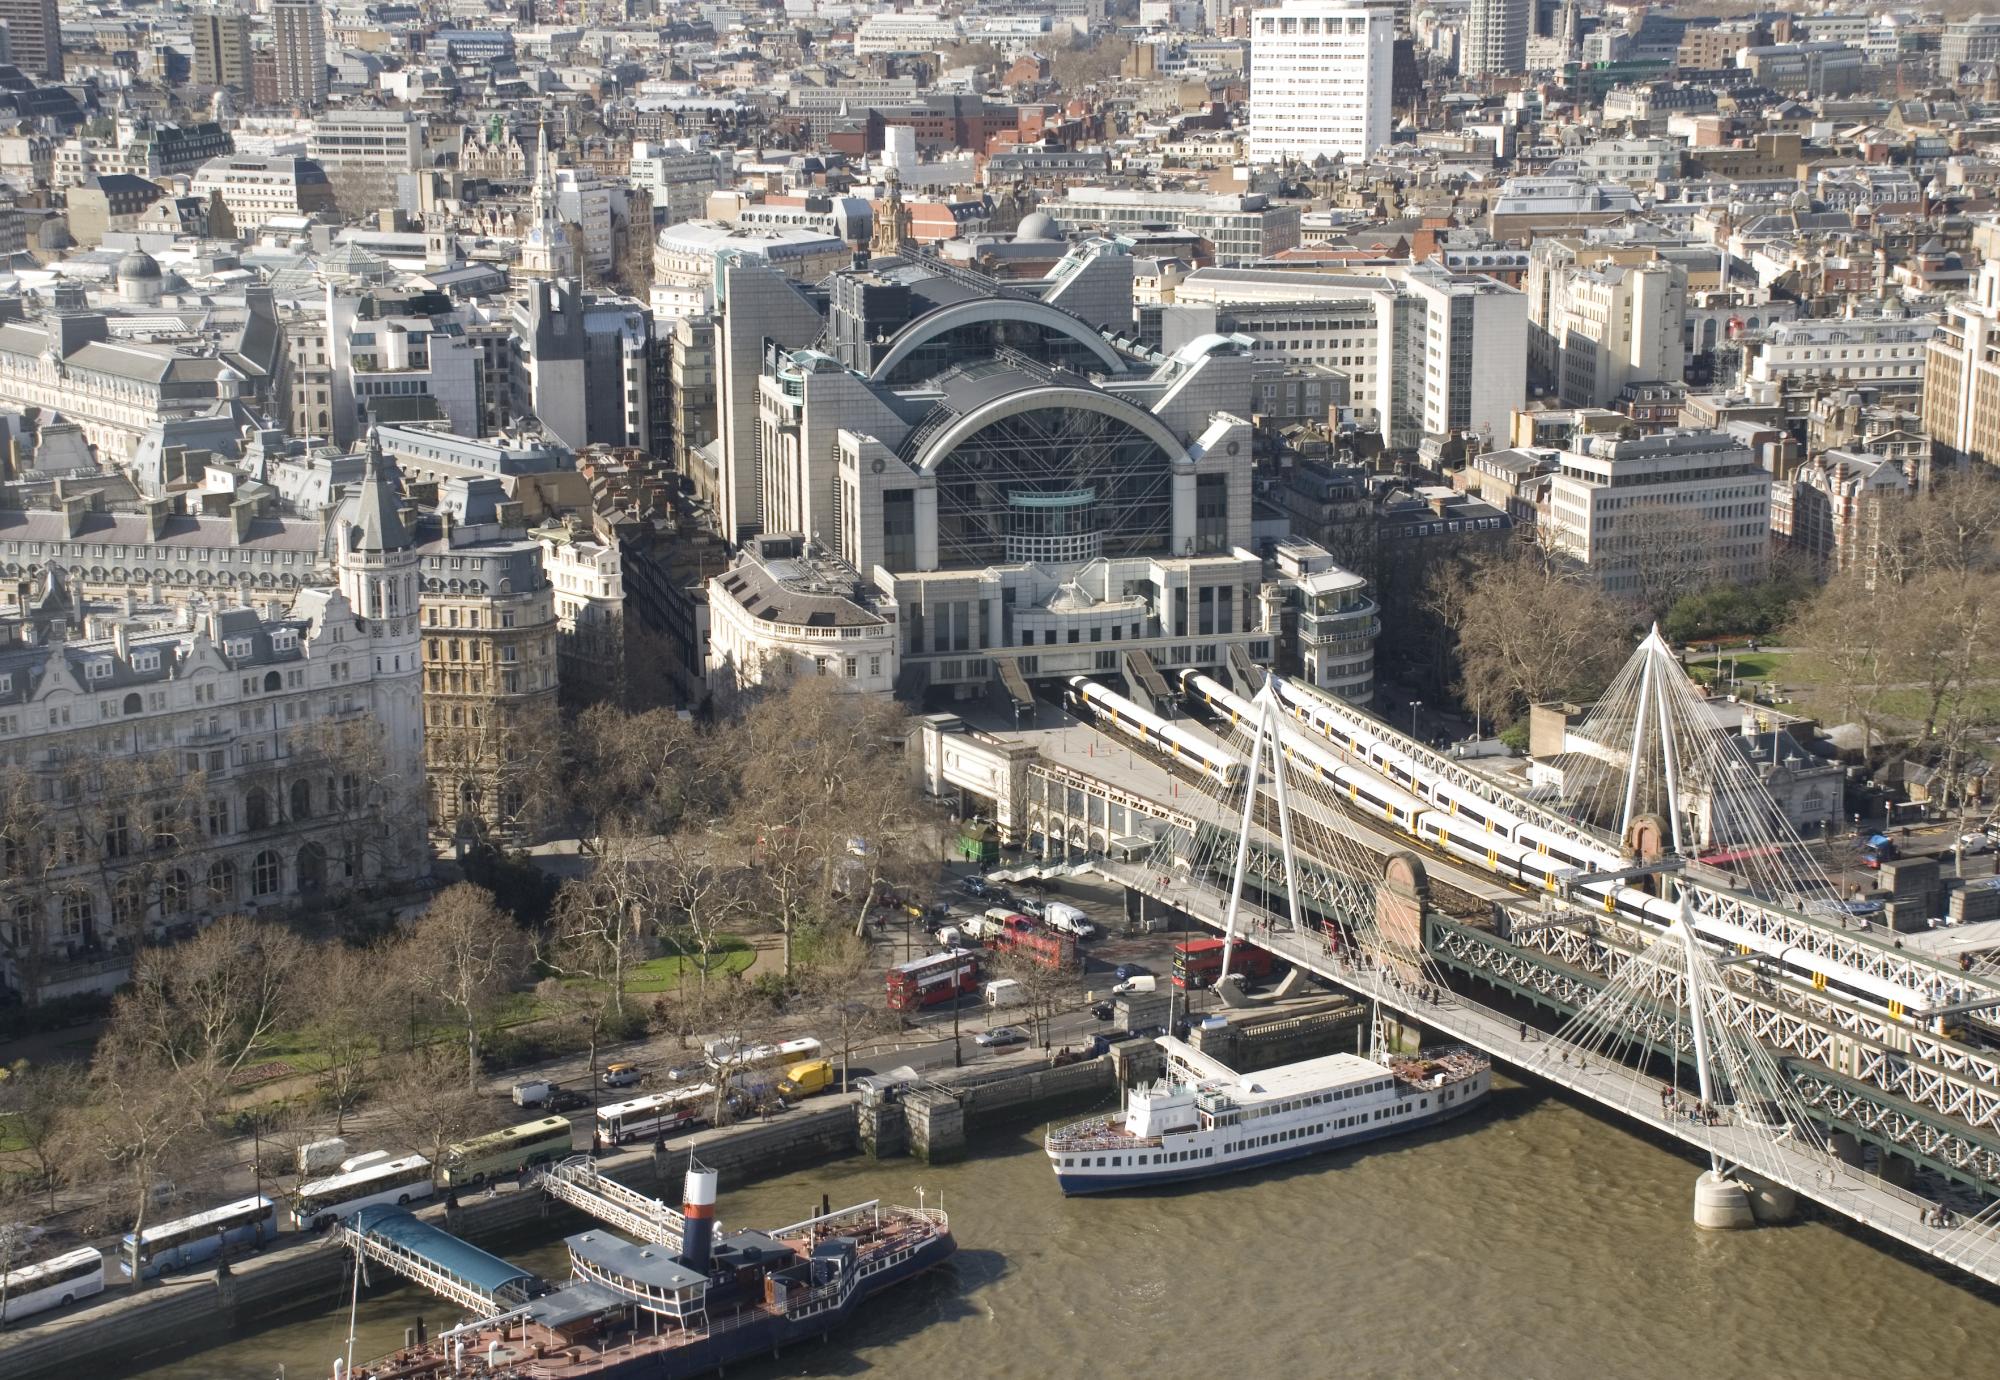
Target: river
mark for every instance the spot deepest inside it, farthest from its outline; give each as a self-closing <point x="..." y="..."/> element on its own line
<point x="1531" y="1241"/>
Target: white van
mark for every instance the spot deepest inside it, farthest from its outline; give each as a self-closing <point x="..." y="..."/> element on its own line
<point x="1004" y="992"/>
<point x="1068" y="920"/>
<point x="1145" y="982"/>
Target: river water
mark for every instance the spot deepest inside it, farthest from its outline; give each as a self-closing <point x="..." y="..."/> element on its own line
<point x="1530" y="1240"/>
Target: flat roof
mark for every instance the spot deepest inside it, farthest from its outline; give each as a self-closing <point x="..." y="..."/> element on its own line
<point x="481" y="1269"/>
<point x="650" y="1265"/>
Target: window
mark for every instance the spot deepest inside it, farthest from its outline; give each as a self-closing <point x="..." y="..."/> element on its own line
<point x="218" y="818"/>
<point x="221" y="883"/>
<point x="118" y="835"/>
<point x="266" y="874"/>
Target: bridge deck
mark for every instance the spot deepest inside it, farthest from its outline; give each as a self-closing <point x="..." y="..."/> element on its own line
<point x="1823" y="1178"/>
<point x="576" y="1181"/>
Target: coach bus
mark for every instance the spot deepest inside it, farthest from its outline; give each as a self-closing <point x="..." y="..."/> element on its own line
<point x="399" y="1180"/>
<point x="53" y="1283"/>
<point x="469" y="1164"/>
<point x="201" y="1238"/>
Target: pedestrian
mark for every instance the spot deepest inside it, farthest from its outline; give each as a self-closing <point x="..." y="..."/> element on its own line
<point x="1565" y="1056"/>
<point x="1524" y="1032"/>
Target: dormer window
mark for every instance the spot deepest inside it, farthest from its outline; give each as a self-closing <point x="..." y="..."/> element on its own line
<point x="284" y="641"/>
<point x="236" y="648"/>
<point x="99" y="669"/>
<point x="145" y="661"/>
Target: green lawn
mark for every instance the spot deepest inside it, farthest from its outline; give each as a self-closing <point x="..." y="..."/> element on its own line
<point x="1983" y="701"/>
<point x="10" y="1137"/>
<point x="732" y="954"/>
<point x="1749" y="666"/>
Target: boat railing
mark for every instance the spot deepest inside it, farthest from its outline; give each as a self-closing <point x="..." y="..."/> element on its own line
<point x="1103" y="1136"/>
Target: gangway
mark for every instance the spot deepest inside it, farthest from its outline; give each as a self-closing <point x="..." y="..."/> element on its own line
<point x="454" y="1270"/>
<point x="576" y="1181"/>
<point x="1015" y="684"/>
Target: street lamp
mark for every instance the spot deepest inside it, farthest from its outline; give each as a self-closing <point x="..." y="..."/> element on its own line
<point x="1415" y="705"/>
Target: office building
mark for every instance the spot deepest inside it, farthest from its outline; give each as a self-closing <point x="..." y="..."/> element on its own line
<point x="1320" y="74"/>
<point x="1961" y="402"/>
<point x="221" y="48"/>
<point x="34" y="37"/>
<point x="1496" y="38"/>
<point x="298" y="45"/>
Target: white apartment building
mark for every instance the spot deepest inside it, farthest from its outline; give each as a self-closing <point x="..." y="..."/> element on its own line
<point x="678" y="179"/>
<point x="1886" y="351"/>
<point x="779" y="614"/>
<point x="1470" y="352"/>
<point x="923" y="32"/>
<point x="1496" y="38"/>
<point x="1629" y="160"/>
<point x="588" y="579"/>
<point x="1319" y="80"/>
<point x="1614" y="324"/>
<point x="1630" y="509"/>
<point x="1961" y="404"/>
<point x="257" y="190"/>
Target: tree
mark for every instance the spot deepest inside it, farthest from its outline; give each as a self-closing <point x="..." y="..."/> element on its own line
<point x="145" y="1123"/>
<point x="36" y="1100"/>
<point x="1530" y="630"/>
<point x="211" y="1005"/>
<point x="845" y="993"/>
<point x="466" y="955"/>
<point x="432" y="1105"/>
<point x="819" y="767"/>
<point x="348" y="1022"/>
<point x="641" y="774"/>
<point x="1045" y="991"/>
<point x="221" y="221"/>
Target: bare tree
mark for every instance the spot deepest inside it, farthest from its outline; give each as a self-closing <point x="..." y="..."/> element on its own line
<point x="36" y="1100"/>
<point x="465" y="954"/>
<point x="144" y="1124"/>
<point x="432" y="1105"/>
<point x="703" y="898"/>
<point x="213" y="1004"/>
<point x="349" y="1023"/>
<point x="1045" y="992"/>
<point x="1530" y="630"/>
<point x="845" y="993"/>
<point x="640" y="774"/>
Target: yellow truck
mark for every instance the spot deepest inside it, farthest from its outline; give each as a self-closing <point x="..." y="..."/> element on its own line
<point x="803" y="1080"/>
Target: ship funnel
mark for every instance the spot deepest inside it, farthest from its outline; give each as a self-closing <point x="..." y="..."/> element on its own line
<point x="698" y="1214"/>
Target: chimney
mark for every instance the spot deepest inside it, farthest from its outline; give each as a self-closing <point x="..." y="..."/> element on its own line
<point x="240" y="514"/>
<point x="698" y="1217"/>
<point x="158" y="510"/>
<point x="74" y="506"/>
<point x="121" y="640"/>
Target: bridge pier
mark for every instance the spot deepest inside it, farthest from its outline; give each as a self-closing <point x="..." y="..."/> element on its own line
<point x="1770" y="1203"/>
<point x="1721" y="1203"/>
<point x="1898" y="1170"/>
<point x="1847" y="1147"/>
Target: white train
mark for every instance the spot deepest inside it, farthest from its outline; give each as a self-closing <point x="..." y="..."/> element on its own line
<point x="1127" y="718"/>
<point x="1497" y="840"/>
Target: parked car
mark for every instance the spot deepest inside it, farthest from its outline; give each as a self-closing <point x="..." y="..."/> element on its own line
<point x="974" y="886"/>
<point x="1103" y="1010"/>
<point x="1005" y="1037"/>
<point x="621" y="1075"/>
<point x="1972" y="845"/>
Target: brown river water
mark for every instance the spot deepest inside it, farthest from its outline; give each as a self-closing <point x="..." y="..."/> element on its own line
<point x="1531" y="1240"/>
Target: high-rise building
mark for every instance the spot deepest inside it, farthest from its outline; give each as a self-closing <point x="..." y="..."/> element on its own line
<point x="1496" y="38"/>
<point x="222" y="48"/>
<point x="34" y="36"/>
<point x="299" y="41"/>
<point x="1961" y="411"/>
<point x="1320" y="73"/>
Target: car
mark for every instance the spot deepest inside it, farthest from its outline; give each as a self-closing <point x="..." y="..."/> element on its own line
<point x="1103" y="1011"/>
<point x="1005" y="1037"/>
<point x="1972" y="845"/>
<point x="974" y="886"/>
<point x="621" y="1075"/>
<point x="566" y="1100"/>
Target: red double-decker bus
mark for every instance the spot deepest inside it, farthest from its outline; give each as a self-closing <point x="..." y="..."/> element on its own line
<point x="1198" y="962"/>
<point x="934" y="980"/>
<point x="1056" y="952"/>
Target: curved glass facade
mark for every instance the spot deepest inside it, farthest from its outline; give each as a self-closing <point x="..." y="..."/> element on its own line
<point x="973" y="340"/>
<point x="1052" y="486"/>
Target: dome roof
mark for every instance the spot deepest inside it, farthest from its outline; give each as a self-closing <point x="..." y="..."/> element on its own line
<point x="1037" y="225"/>
<point x="138" y="265"/>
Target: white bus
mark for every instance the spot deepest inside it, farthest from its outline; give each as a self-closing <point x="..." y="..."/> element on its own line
<point x="200" y="1238"/>
<point x="655" y="1114"/>
<point x="746" y="1058"/>
<point x="397" y="1181"/>
<point x="37" y="1288"/>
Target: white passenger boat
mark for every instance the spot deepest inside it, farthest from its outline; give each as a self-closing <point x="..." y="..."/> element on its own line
<point x="1203" y="1118"/>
